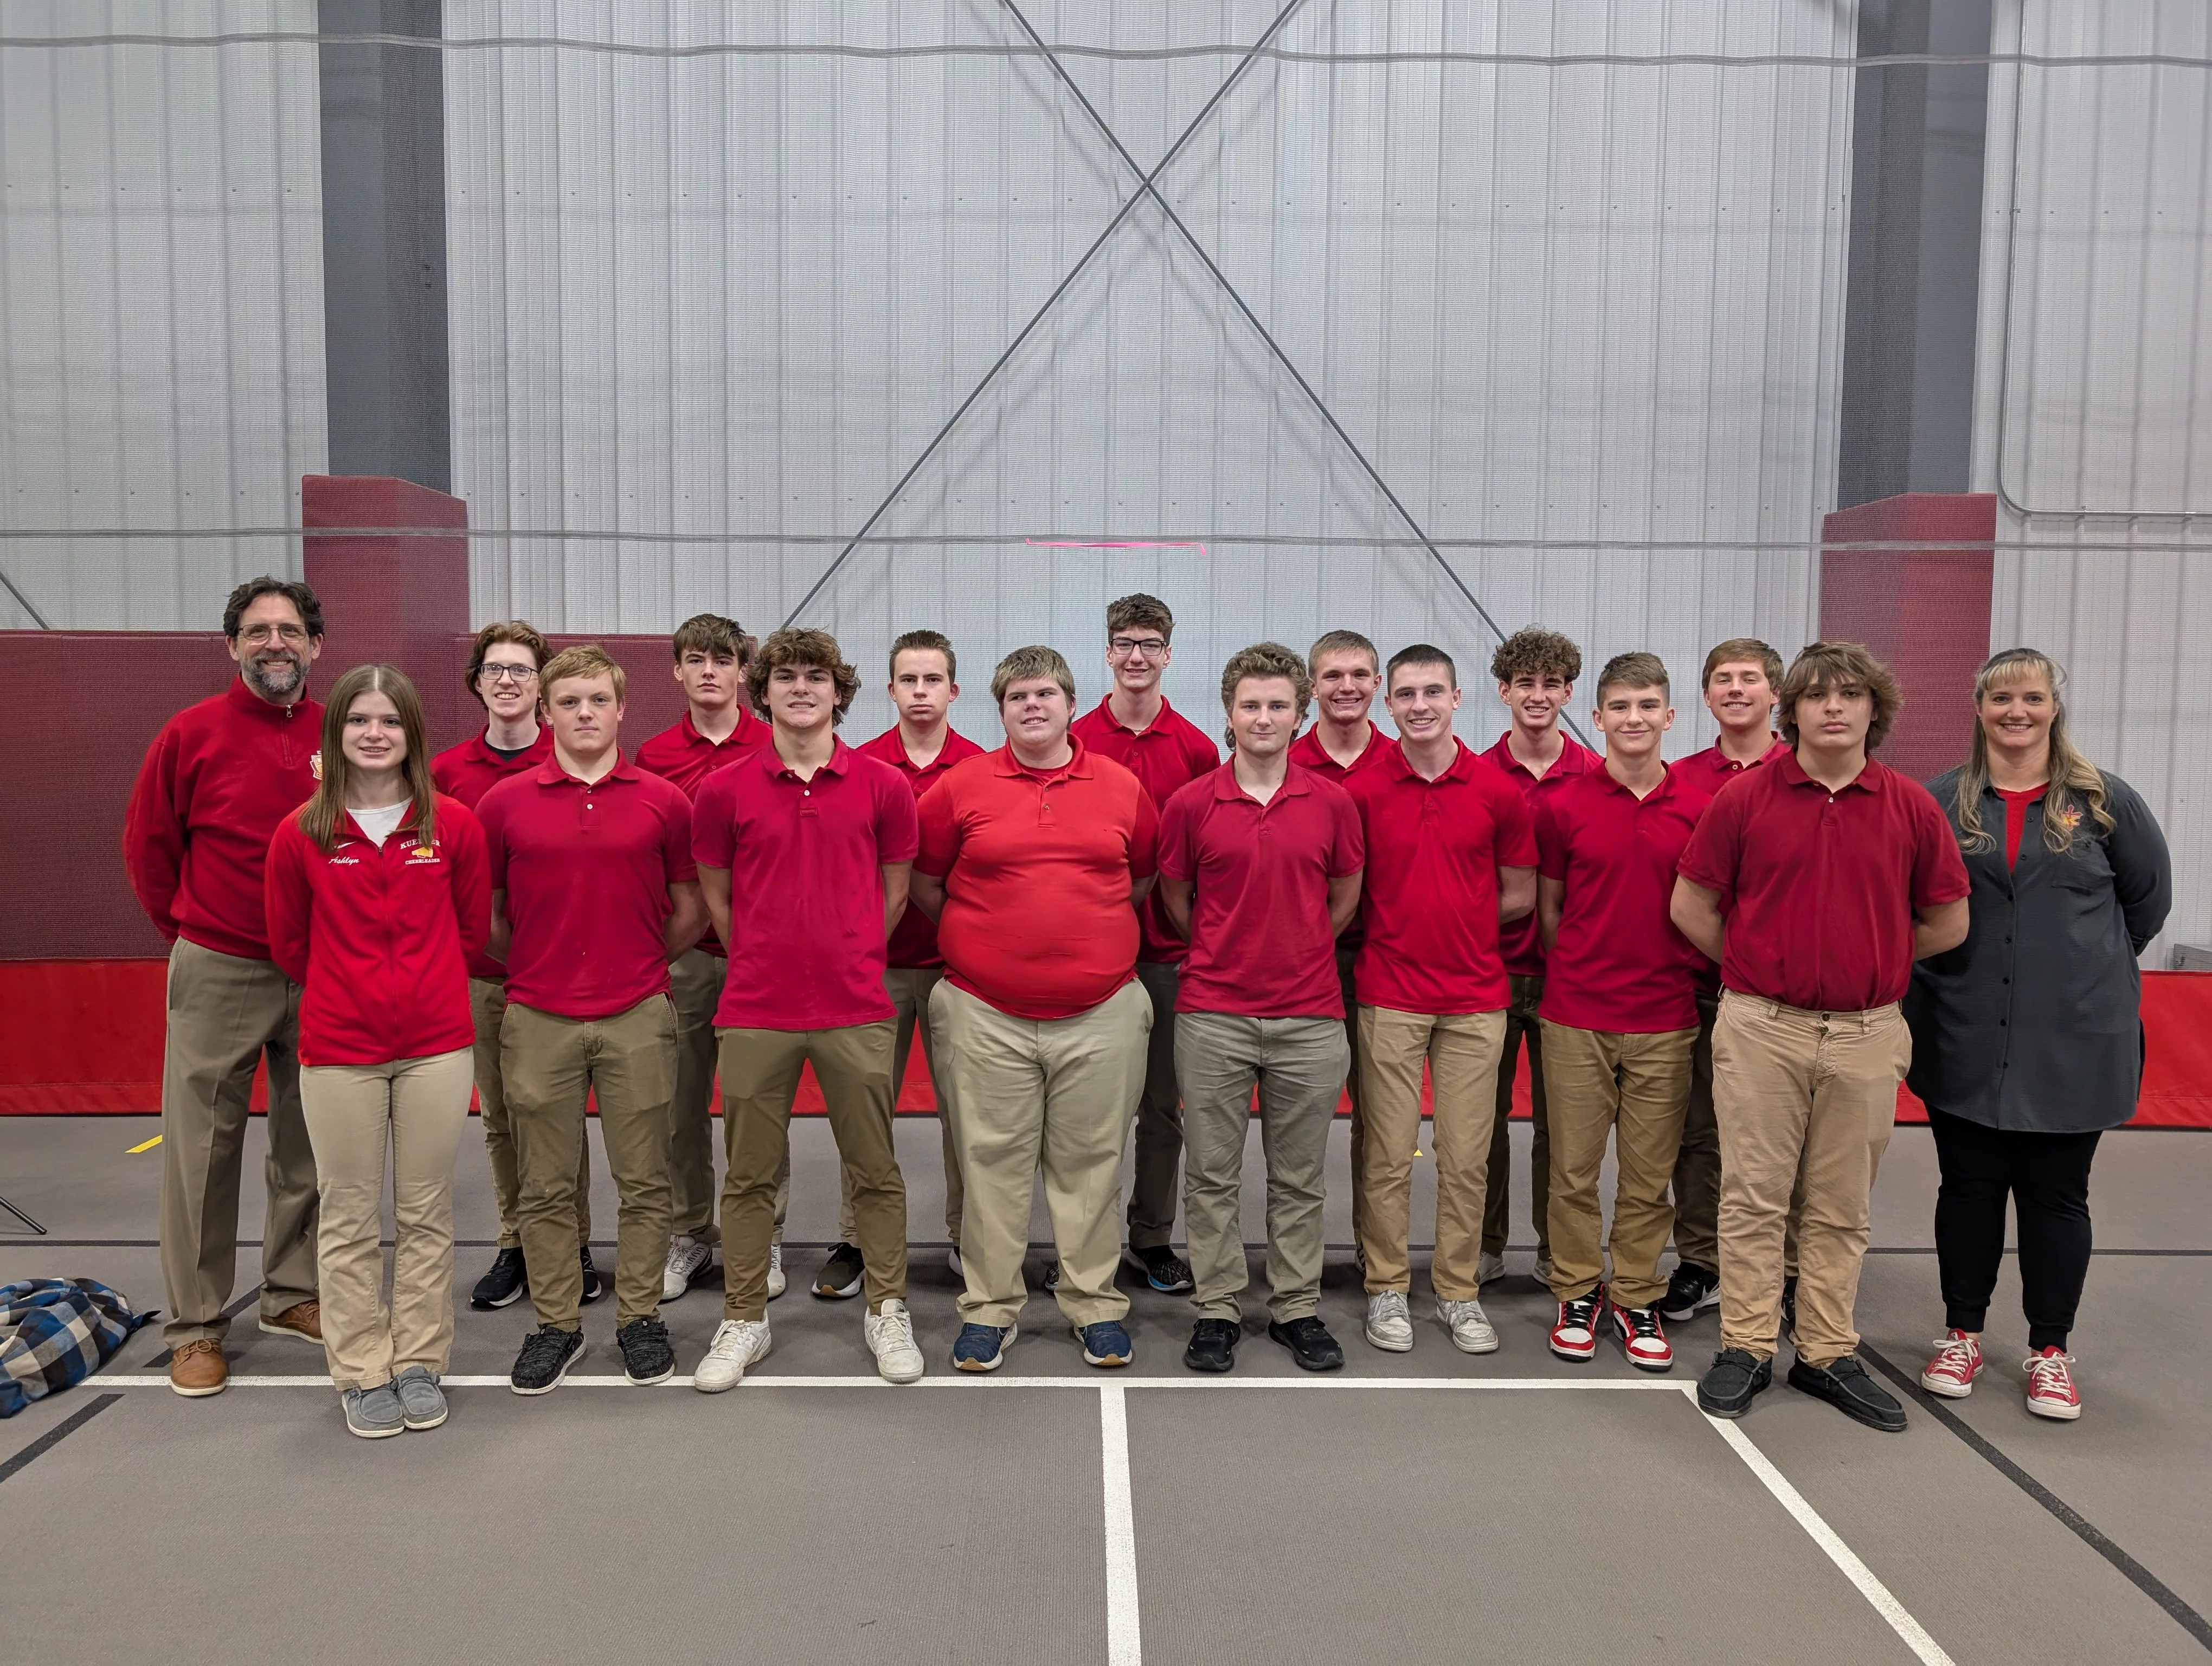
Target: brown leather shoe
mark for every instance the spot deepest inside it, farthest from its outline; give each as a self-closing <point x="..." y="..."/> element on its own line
<point x="197" y="1368"/>
<point x="303" y="1320"/>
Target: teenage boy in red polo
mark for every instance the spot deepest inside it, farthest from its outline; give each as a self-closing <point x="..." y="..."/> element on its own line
<point x="805" y="851"/>
<point x="922" y="746"/>
<point x="1136" y="728"/>
<point x="1816" y="881"/>
<point x="1535" y="670"/>
<point x="714" y="731"/>
<point x="503" y="678"/>
<point x="593" y="893"/>
<point x="1620" y="1013"/>
<point x="1742" y="676"/>
<point x="216" y="781"/>
<point x="1260" y="865"/>
<point x="1450" y="857"/>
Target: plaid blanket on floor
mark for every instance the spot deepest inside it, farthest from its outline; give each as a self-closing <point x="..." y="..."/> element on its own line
<point x="54" y="1331"/>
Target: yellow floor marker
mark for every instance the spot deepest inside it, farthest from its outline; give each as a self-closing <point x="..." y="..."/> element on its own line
<point x="143" y="1145"/>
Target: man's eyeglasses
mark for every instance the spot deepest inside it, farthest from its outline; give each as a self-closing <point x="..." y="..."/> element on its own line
<point x="515" y="674"/>
<point x="1123" y="647"/>
<point x="262" y="636"/>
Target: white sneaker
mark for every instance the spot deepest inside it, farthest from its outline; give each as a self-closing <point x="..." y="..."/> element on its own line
<point x="776" y="1278"/>
<point x="687" y="1258"/>
<point x="1471" y="1329"/>
<point x="1489" y="1268"/>
<point x="889" y="1336"/>
<point x="1389" y="1326"/>
<point x="952" y="1260"/>
<point x="737" y="1343"/>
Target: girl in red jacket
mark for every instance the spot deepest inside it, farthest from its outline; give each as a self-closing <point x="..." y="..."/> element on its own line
<point x="377" y="893"/>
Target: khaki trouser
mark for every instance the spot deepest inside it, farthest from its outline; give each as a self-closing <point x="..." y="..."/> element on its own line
<point x="1635" y="1088"/>
<point x="487" y="1006"/>
<point x="1698" y="1166"/>
<point x="1346" y="958"/>
<point x="417" y="1107"/>
<point x="1298" y="1065"/>
<point x="909" y="987"/>
<point x="1461" y="1053"/>
<point x="695" y="989"/>
<point x="224" y="1014"/>
<point x="550" y="1065"/>
<point x="1521" y="1023"/>
<point x="1798" y="1095"/>
<point x="1054" y="1096"/>
<point x="1155" y="1187"/>
<point x="760" y="1077"/>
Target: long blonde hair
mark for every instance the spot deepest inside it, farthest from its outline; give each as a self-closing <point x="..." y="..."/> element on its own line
<point x="2073" y="777"/>
<point x="321" y="816"/>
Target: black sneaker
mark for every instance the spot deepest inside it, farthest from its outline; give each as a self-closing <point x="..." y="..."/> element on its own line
<point x="1845" y="1385"/>
<point x="1213" y="1345"/>
<point x="647" y="1357"/>
<point x="1163" y="1269"/>
<point x="1731" y="1381"/>
<point x="841" y="1275"/>
<point x="508" y="1280"/>
<point x="1691" y="1289"/>
<point x="546" y="1355"/>
<point x="1309" y="1341"/>
<point x="1052" y="1275"/>
<point x="590" y="1292"/>
<point x="1789" y="1308"/>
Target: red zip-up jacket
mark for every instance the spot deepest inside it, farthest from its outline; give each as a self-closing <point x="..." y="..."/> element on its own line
<point x="216" y="782"/>
<point x="379" y="940"/>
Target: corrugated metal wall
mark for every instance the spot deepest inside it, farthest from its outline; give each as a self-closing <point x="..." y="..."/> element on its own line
<point x="2094" y="414"/>
<point x="160" y="281"/>
<point x="733" y="295"/>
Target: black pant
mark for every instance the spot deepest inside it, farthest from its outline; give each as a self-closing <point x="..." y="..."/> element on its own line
<point x="2047" y="1176"/>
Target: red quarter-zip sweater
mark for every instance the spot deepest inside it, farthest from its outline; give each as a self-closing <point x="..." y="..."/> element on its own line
<point x="217" y="780"/>
<point x="379" y="938"/>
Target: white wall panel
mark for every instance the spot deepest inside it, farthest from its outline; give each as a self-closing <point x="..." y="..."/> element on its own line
<point x="160" y="292"/>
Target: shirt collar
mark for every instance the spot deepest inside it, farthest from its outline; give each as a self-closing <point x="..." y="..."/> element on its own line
<point x="551" y="774"/>
<point x="1078" y="767"/>
<point x="1869" y="779"/>
<point x="1574" y="759"/>
<point x="1227" y="789"/>
<point x="244" y="699"/>
<point x="772" y="761"/>
<point x="1462" y="766"/>
<point x="1158" y="724"/>
<point x="747" y="732"/>
<point x="480" y="750"/>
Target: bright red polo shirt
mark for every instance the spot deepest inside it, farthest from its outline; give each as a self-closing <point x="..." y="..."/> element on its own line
<point x="684" y="758"/>
<point x="805" y="860"/>
<point x="587" y="868"/>
<point x="1521" y="942"/>
<point x="1619" y="965"/>
<point x="913" y="939"/>
<point x="1430" y="902"/>
<point x="1260" y="941"/>
<point x="1713" y="769"/>
<point x="467" y="772"/>
<point x="1307" y="753"/>
<point x="1818" y="889"/>
<point x="1171" y="753"/>
<point x="1037" y="870"/>
<point x="378" y="938"/>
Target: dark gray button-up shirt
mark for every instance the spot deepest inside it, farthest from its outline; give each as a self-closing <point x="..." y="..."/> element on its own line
<point x="2034" y="1022"/>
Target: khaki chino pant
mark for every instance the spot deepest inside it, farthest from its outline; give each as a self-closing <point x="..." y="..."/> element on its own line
<point x="550" y="1067"/>
<point x="909" y="988"/>
<point x="1054" y="1096"/>
<point x="416" y="1108"/>
<point x="760" y="1077"/>
<point x="1799" y="1096"/>
<point x="1521" y="1023"/>
<point x="1461" y="1053"/>
<point x="224" y="1014"/>
<point x="1155" y="1186"/>
<point x="487" y="1006"/>
<point x="1297" y="1065"/>
<point x="1636" y="1089"/>
<point x="695" y="989"/>
<point x="1347" y="957"/>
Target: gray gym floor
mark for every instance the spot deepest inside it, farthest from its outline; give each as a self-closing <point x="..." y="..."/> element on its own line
<point x="1412" y="1508"/>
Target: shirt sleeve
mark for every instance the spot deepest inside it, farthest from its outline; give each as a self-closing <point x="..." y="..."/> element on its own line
<point x="153" y="835"/>
<point x="682" y="867"/>
<point x="898" y="827"/>
<point x="1144" y="837"/>
<point x="1551" y="843"/>
<point x="463" y="836"/>
<point x="2142" y="867"/>
<point x="714" y="824"/>
<point x="1177" y="858"/>
<point x="1709" y="857"/>
<point x="938" y="831"/>
<point x="1939" y="873"/>
<point x="1514" y="840"/>
<point x="287" y="899"/>
<point x="1347" y="847"/>
<point x="491" y="822"/>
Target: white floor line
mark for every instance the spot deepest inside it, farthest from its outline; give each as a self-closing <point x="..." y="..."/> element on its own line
<point x="1125" y="1645"/>
<point x="1884" y="1601"/>
<point x="963" y="1380"/>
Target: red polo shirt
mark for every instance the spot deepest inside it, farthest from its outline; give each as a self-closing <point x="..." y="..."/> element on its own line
<point x="587" y="869"/>
<point x="1260" y="941"/>
<point x="1619" y="965"/>
<point x="467" y="772"/>
<point x="913" y="939"/>
<point x="1713" y="769"/>
<point x="805" y="860"/>
<point x="683" y="758"/>
<point x="1521" y="942"/>
<point x="1429" y="903"/>
<point x="1037" y="870"/>
<point x="1818" y="889"/>
<point x="1307" y="753"/>
<point x="1171" y="753"/>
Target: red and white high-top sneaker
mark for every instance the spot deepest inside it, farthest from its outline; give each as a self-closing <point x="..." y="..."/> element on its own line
<point x="1575" y="1335"/>
<point x="1643" y="1337"/>
<point x="2051" y="1390"/>
<point x="1957" y="1363"/>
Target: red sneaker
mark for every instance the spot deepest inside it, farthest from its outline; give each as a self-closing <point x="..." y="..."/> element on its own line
<point x="1575" y="1335"/>
<point x="1957" y="1363"/>
<point x="2051" y="1390"/>
<point x="1643" y="1336"/>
